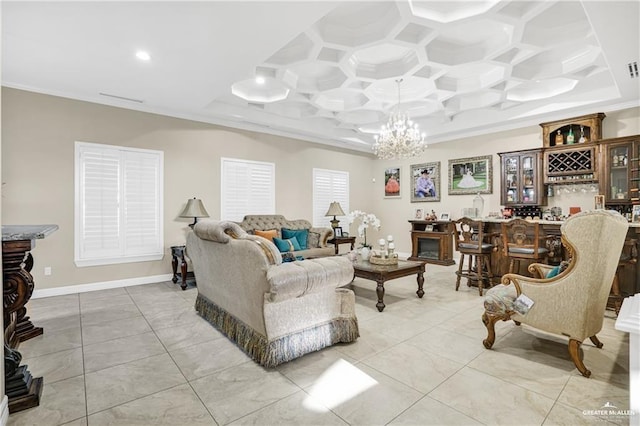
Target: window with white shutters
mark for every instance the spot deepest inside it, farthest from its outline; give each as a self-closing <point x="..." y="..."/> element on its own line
<point x="118" y="204"/>
<point x="329" y="186"/>
<point x="247" y="187"/>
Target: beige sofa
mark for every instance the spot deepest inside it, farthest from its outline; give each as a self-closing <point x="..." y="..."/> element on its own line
<point x="274" y="311"/>
<point x="317" y="240"/>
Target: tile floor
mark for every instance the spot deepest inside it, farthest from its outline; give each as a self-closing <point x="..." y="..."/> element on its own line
<point x="142" y="356"/>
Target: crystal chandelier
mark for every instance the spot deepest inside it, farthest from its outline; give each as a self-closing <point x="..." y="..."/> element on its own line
<point x="400" y="137"/>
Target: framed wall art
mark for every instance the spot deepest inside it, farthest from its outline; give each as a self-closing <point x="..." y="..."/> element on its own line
<point x="471" y="175"/>
<point x="425" y="182"/>
<point x="392" y="182"/>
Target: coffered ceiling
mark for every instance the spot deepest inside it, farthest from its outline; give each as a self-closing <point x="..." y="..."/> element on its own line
<point x="329" y="70"/>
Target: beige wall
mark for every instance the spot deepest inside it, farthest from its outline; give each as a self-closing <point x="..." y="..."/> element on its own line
<point x="395" y="213"/>
<point x="39" y="132"/>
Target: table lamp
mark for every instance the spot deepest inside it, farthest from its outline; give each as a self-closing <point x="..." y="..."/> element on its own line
<point x="194" y="209"/>
<point x="334" y="210"/>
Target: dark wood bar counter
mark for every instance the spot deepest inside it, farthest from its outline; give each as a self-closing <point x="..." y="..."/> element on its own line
<point x="442" y="252"/>
<point x="550" y="231"/>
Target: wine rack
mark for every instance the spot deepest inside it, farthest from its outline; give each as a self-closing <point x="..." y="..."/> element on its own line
<point x="573" y="165"/>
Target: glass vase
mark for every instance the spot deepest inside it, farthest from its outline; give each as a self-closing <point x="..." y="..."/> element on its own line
<point x="478" y="204"/>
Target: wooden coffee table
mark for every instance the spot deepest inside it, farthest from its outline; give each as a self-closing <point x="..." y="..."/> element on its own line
<point x="380" y="274"/>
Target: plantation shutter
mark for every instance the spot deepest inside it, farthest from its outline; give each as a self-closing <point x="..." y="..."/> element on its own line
<point x="142" y="203"/>
<point x="247" y="187"/>
<point x="118" y="205"/>
<point x="329" y="186"/>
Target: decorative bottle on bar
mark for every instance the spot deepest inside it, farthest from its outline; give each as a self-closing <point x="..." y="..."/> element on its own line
<point x="583" y="138"/>
<point x="570" y="137"/>
<point x="559" y="138"/>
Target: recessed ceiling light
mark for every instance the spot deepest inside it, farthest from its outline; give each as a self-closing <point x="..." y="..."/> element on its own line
<point x="143" y="55"/>
<point x="260" y="80"/>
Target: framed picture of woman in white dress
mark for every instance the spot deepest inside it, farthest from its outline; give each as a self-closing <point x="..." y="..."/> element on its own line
<point x="471" y="175"/>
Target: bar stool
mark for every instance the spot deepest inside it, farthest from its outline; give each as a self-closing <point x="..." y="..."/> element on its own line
<point x="471" y="241"/>
<point x="628" y="257"/>
<point x="521" y="240"/>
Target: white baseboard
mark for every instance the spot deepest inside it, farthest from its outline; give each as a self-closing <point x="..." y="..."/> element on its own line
<point x="4" y="411"/>
<point x="104" y="285"/>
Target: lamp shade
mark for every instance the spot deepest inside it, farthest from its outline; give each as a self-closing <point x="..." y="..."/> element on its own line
<point x="194" y="208"/>
<point x="335" y="209"/>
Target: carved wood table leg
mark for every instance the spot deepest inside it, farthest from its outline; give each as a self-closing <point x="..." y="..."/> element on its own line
<point x="420" y="279"/>
<point x="380" y="292"/>
<point x="17" y="289"/>
<point x="183" y="271"/>
<point x="174" y="266"/>
<point x="25" y="330"/>
<point x="21" y="388"/>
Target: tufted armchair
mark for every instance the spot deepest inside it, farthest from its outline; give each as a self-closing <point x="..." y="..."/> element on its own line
<point x="572" y="303"/>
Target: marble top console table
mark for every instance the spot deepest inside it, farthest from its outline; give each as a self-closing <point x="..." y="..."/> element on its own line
<point x="17" y="262"/>
<point x="22" y="389"/>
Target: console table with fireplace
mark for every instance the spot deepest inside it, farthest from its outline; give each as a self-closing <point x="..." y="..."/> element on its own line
<point x="432" y="241"/>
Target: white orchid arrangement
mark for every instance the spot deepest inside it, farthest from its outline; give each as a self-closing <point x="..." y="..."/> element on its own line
<point x="366" y="220"/>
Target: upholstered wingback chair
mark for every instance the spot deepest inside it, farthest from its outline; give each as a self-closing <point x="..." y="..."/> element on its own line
<point x="573" y="302"/>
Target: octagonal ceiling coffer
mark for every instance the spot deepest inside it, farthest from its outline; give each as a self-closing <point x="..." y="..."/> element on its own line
<point x="271" y="90"/>
<point x="355" y="23"/>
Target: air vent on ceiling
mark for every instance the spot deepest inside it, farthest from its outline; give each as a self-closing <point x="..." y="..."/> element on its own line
<point x="122" y="98"/>
<point x="633" y="69"/>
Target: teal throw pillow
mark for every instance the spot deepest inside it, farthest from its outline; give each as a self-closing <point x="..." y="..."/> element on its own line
<point x="553" y="272"/>
<point x="302" y="235"/>
<point x="558" y="269"/>
<point x="286" y="245"/>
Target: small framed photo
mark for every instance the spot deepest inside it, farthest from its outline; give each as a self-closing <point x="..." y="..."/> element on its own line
<point x="418" y="214"/>
<point x="599" y="202"/>
<point x="444" y="216"/>
<point x="428" y="228"/>
<point x="338" y="232"/>
<point x="635" y="215"/>
<point x="392" y="182"/>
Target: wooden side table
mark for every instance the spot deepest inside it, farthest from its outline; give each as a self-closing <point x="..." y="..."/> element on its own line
<point x="178" y="258"/>
<point x="336" y="241"/>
